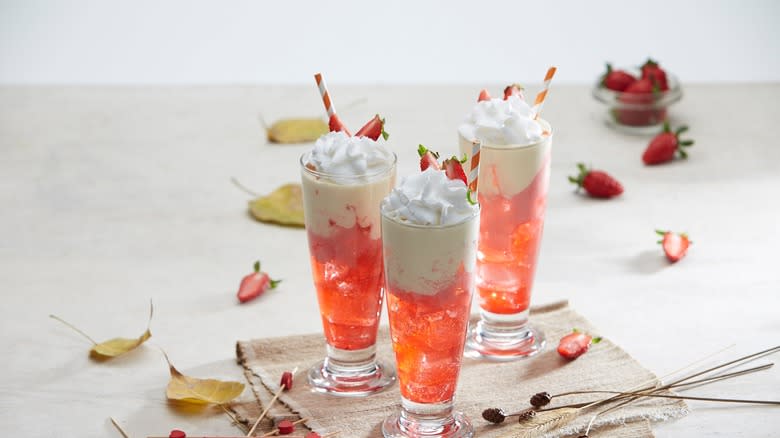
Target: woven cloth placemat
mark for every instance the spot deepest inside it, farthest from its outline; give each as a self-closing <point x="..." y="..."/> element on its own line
<point x="482" y="384"/>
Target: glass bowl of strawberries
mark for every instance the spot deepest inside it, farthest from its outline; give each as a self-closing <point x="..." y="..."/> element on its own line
<point x="637" y="99"/>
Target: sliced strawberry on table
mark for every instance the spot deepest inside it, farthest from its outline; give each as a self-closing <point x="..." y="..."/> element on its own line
<point x="617" y="80"/>
<point x="254" y="284"/>
<point x="483" y="95"/>
<point x="575" y="344"/>
<point x="596" y="183"/>
<point x="675" y="245"/>
<point x="428" y="158"/>
<point x="335" y="124"/>
<point x="651" y="70"/>
<point x="373" y="129"/>
<point x="513" y="90"/>
<point x="666" y="145"/>
<point x="453" y="168"/>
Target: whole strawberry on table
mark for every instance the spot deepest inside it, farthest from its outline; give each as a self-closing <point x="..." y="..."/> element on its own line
<point x="666" y="145"/>
<point x="597" y="183"/>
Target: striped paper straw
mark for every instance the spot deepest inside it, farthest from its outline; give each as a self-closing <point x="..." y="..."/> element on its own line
<point x="325" y="95"/>
<point x="543" y="94"/>
<point x="474" y="172"/>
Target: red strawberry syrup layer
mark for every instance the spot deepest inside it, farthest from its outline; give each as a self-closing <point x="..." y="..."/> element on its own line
<point x="509" y="240"/>
<point x="347" y="267"/>
<point x="428" y="334"/>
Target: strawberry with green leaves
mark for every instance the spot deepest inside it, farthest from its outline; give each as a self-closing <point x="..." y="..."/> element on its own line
<point x="651" y="70"/>
<point x="453" y="168"/>
<point x="255" y="284"/>
<point x="675" y="245"/>
<point x="617" y="80"/>
<point x="428" y="158"/>
<point x="596" y="183"/>
<point x="666" y="145"/>
<point x="575" y="344"/>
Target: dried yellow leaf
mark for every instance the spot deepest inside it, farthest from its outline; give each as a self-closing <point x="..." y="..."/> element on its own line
<point x="116" y="346"/>
<point x="200" y="391"/>
<point x="297" y="130"/>
<point x="283" y="206"/>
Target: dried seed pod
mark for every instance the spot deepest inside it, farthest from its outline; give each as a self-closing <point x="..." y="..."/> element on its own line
<point x="541" y="399"/>
<point x="494" y="415"/>
<point x="526" y="415"/>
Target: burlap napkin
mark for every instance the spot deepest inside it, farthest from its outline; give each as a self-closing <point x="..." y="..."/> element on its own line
<point x="482" y="384"/>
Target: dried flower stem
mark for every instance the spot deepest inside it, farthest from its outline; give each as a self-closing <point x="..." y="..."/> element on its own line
<point x="233" y="417"/>
<point x="73" y="327"/>
<point x="118" y="427"/>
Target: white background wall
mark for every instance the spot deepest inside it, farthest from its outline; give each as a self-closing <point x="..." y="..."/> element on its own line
<point x="172" y="42"/>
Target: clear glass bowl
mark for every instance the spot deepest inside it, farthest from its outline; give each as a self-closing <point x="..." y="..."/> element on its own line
<point x="635" y="113"/>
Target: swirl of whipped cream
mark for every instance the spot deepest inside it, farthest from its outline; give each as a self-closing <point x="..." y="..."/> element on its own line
<point x="429" y="198"/>
<point x="338" y="154"/>
<point x="498" y="122"/>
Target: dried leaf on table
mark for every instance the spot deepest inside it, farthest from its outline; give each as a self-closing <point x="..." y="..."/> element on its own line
<point x="200" y="391"/>
<point x="283" y="206"/>
<point x="116" y="346"/>
<point x="296" y="130"/>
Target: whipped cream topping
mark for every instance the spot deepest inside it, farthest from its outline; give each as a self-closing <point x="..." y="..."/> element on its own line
<point x="499" y="122"/>
<point x="429" y="198"/>
<point x="336" y="153"/>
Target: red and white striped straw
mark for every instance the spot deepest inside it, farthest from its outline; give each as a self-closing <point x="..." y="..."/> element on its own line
<point x="543" y="94"/>
<point x="325" y="95"/>
<point x="474" y="172"/>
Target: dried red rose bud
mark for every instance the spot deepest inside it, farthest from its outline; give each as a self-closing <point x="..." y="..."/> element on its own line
<point x="526" y="415"/>
<point x="285" y="427"/>
<point x="176" y="433"/>
<point x="540" y="399"/>
<point x="313" y="435"/>
<point x="494" y="415"/>
<point x="287" y="380"/>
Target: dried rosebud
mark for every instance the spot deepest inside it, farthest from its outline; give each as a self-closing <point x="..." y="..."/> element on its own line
<point x="526" y="415"/>
<point x="540" y="399"/>
<point x="494" y="415"/>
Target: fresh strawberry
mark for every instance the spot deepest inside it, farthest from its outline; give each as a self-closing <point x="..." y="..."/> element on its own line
<point x="454" y="169"/>
<point x="483" y="95"/>
<point x="373" y="129"/>
<point x="428" y="158"/>
<point x="254" y="284"/>
<point x="675" y="244"/>
<point x="335" y="124"/>
<point x="664" y="146"/>
<point x="597" y="183"/>
<point x="651" y="70"/>
<point x="639" y="98"/>
<point x="575" y="344"/>
<point x="617" y="80"/>
<point x="513" y="90"/>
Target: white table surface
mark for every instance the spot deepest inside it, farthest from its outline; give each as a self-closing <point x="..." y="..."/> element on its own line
<point x="113" y="196"/>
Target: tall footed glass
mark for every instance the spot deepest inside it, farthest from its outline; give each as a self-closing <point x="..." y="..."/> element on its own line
<point x="345" y="245"/>
<point x="430" y="281"/>
<point x="513" y="181"/>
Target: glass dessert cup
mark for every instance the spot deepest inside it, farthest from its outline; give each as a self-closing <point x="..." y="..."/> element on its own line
<point x="512" y="193"/>
<point x="640" y="114"/>
<point x="342" y="220"/>
<point x="430" y="282"/>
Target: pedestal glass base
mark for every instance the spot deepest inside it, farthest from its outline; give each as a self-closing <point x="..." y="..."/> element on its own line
<point x="427" y="420"/>
<point x="503" y="337"/>
<point x="350" y="373"/>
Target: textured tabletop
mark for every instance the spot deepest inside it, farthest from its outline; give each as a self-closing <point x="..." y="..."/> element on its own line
<point x="113" y="196"/>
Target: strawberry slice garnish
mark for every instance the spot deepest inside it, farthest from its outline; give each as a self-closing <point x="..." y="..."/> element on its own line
<point x="254" y="284"/>
<point x="335" y="124"/>
<point x="453" y="168"/>
<point x="617" y="80"/>
<point x="428" y="158"/>
<point x="664" y="146"/>
<point x="575" y="344"/>
<point x="675" y="245"/>
<point x="483" y="95"/>
<point x="596" y="183"/>
<point x="513" y="90"/>
<point x="373" y="129"/>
